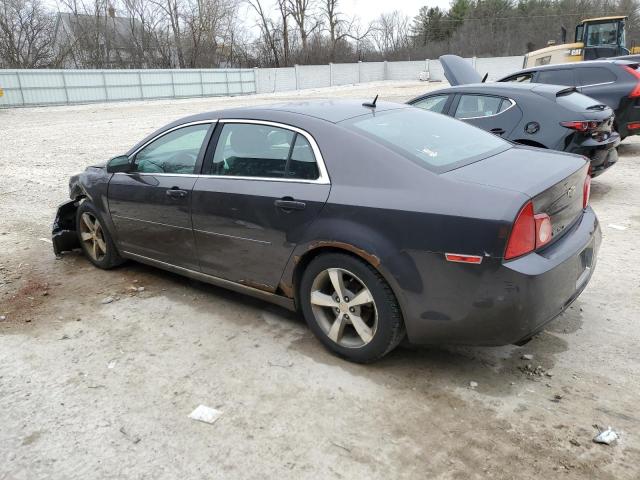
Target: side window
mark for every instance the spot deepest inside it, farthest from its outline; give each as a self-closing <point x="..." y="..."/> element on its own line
<point x="435" y="103"/>
<point x="556" y="77"/>
<point x="176" y="152"/>
<point x="522" y="78"/>
<point x="302" y="163"/>
<point x="474" y="106"/>
<point x="254" y="150"/>
<point x="594" y="76"/>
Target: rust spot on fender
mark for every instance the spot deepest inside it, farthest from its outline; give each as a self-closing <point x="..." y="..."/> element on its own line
<point x="286" y="289"/>
<point x="369" y="257"/>
<point x="259" y="286"/>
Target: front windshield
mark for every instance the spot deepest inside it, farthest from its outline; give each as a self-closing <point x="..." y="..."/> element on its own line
<point x="602" y="34"/>
<point x="437" y="142"/>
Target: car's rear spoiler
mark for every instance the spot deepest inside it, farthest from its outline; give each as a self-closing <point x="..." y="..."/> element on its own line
<point x="566" y="91"/>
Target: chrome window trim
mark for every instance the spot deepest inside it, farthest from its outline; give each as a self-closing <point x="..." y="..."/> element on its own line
<point x="595" y="84"/>
<point x="513" y="103"/>
<point x="323" y="177"/>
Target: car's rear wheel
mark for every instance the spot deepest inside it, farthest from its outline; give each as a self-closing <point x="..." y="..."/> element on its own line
<point x="350" y="307"/>
<point x="95" y="240"/>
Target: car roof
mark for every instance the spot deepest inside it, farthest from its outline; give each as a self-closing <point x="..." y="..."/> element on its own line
<point x="333" y="111"/>
<point x="588" y="63"/>
<point x="498" y="88"/>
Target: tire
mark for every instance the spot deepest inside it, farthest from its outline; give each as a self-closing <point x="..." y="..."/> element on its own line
<point x="334" y="323"/>
<point x="95" y="240"/>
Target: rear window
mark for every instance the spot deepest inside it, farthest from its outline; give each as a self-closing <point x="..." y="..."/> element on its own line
<point x="575" y="101"/>
<point x="556" y="77"/>
<point x="594" y="76"/>
<point x="434" y="141"/>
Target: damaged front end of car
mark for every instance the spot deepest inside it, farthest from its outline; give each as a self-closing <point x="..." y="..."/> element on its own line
<point x="64" y="235"/>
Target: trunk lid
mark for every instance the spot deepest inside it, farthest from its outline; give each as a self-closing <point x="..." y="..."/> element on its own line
<point x="553" y="180"/>
<point x="458" y="71"/>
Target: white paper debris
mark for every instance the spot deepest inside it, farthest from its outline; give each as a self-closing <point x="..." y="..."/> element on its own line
<point x="111" y="364"/>
<point x="205" y="414"/>
<point x="617" y="227"/>
<point x="473" y="384"/>
<point x="607" y="437"/>
<point x="48" y="240"/>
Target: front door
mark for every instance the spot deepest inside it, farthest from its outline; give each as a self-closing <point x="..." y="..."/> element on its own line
<point x="151" y="205"/>
<point x="263" y="184"/>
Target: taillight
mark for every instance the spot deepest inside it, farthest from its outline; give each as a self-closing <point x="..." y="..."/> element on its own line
<point x="636" y="90"/>
<point x="586" y="190"/>
<point x="581" y="125"/>
<point x="528" y="233"/>
<point x="543" y="229"/>
<point x="523" y="234"/>
<point x="633" y="125"/>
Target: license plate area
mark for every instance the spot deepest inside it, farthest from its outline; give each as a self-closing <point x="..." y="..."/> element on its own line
<point x="586" y="259"/>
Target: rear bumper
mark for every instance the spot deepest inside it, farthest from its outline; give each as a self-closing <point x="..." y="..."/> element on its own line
<point x="602" y="155"/>
<point x="497" y="302"/>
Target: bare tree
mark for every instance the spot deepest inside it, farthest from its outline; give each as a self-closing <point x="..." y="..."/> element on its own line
<point x="301" y="11"/>
<point x="26" y="35"/>
<point x="266" y="29"/>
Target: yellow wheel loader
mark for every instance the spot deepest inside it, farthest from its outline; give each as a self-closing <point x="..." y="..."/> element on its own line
<point x="594" y="38"/>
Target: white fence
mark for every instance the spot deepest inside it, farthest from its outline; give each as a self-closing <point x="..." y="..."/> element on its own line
<point x="55" y="87"/>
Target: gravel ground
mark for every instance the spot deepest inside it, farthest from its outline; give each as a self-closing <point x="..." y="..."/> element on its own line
<point x="103" y="390"/>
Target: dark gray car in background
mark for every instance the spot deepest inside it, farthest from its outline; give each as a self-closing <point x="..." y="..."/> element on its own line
<point x="373" y="221"/>
<point x="613" y="82"/>
<point x="547" y="116"/>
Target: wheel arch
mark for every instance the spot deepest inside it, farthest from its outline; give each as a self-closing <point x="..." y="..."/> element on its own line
<point x="301" y="260"/>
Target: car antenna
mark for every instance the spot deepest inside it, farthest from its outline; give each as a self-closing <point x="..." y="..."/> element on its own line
<point x="484" y="79"/>
<point x="371" y="104"/>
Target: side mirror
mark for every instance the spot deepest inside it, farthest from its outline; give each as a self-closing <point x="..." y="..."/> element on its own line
<point x="119" y="164"/>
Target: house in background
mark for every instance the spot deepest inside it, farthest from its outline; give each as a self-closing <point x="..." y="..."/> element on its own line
<point x="106" y="41"/>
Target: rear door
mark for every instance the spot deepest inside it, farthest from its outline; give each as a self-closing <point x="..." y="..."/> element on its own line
<point x="495" y="114"/>
<point x="556" y="76"/>
<point x="262" y="185"/>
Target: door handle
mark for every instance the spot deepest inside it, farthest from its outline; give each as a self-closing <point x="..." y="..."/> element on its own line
<point x="288" y="204"/>
<point x="175" y="192"/>
<point x="497" y="131"/>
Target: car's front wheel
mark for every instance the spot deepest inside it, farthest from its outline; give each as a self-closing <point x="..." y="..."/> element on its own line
<point x="350" y="307"/>
<point x="95" y="240"/>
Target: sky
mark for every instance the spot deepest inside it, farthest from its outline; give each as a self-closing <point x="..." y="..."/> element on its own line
<point x="366" y="10"/>
<point x="369" y="10"/>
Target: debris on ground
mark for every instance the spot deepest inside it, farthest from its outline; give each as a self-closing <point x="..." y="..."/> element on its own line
<point x="205" y="414"/>
<point x="473" y="384"/>
<point x="556" y="398"/>
<point x="617" y="227"/>
<point x="526" y="356"/>
<point x="574" y="442"/>
<point x="107" y="300"/>
<point x="340" y="446"/>
<point x="606" y="437"/>
<point x="286" y="364"/>
<point x="2" y="318"/>
<point x="134" y="438"/>
<point x="528" y="369"/>
<point x="112" y="364"/>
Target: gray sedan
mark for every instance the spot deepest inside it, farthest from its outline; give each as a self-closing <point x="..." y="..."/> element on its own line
<point x="375" y="221"/>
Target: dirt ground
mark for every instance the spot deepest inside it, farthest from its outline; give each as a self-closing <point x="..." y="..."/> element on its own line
<point x="103" y="390"/>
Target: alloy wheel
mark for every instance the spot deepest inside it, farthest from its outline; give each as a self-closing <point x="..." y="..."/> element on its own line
<point x="92" y="236"/>
<point x="344" y="308"/>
